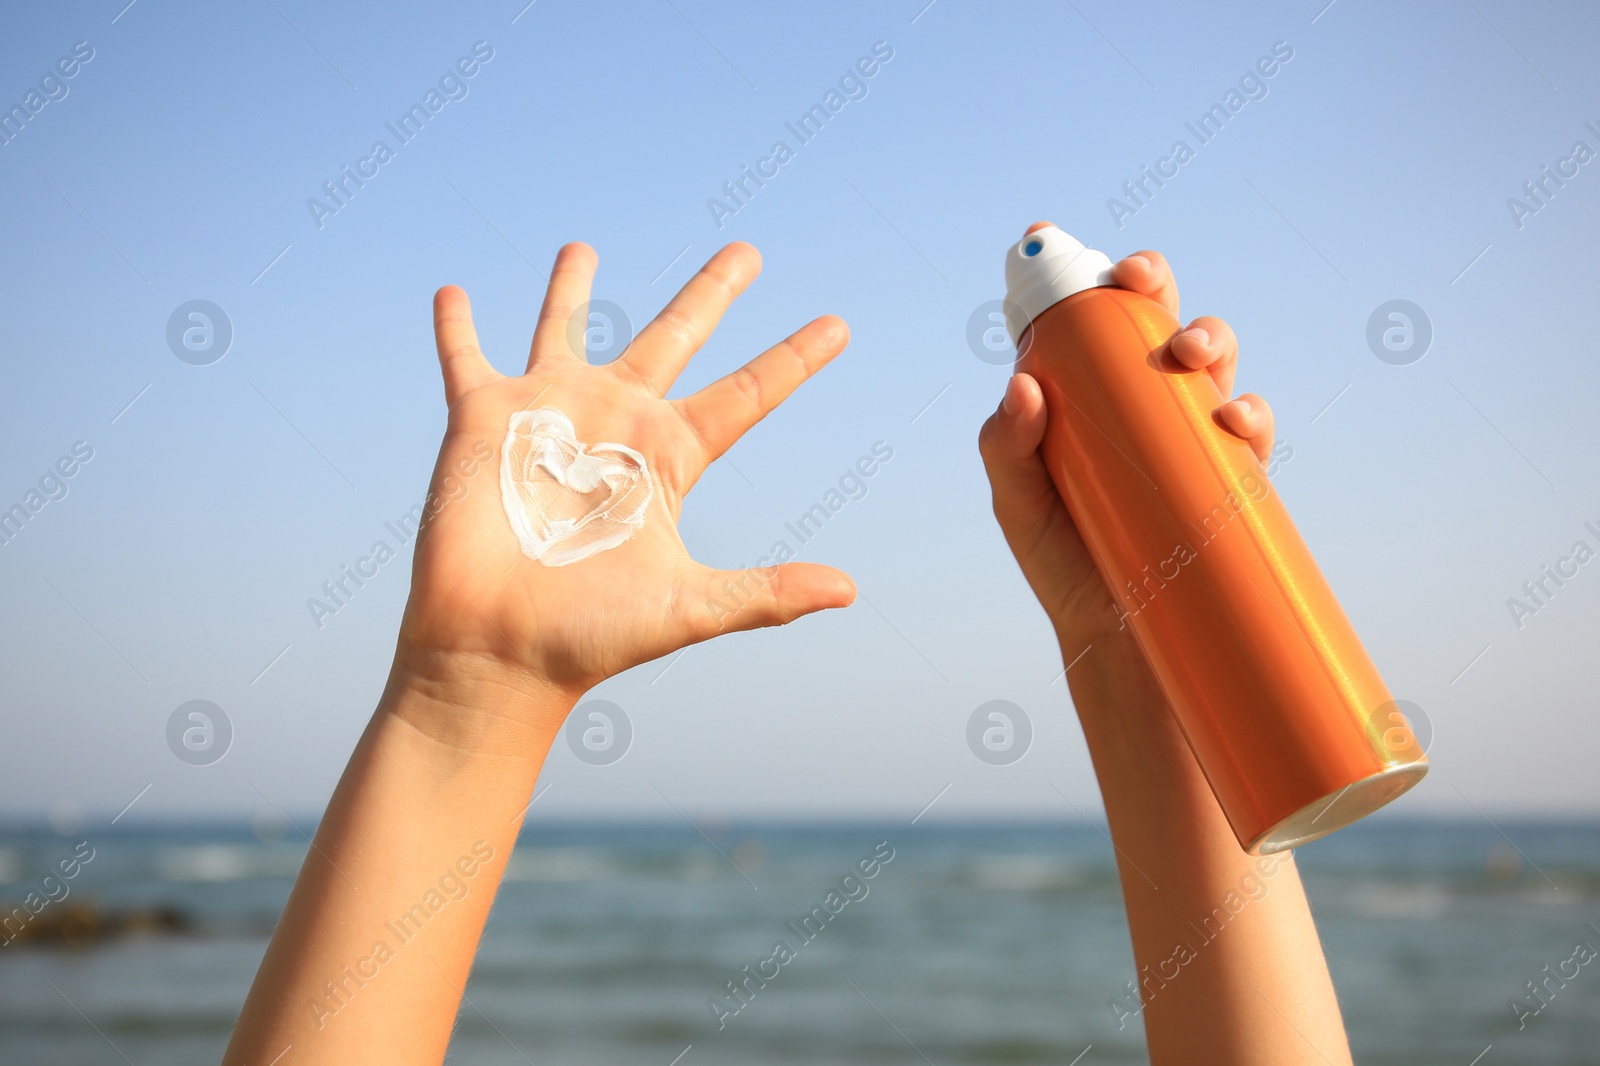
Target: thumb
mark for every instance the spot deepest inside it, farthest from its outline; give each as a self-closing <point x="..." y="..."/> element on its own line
<point x="737" y="600"/>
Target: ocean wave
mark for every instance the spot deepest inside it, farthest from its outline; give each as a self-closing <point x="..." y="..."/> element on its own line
<point x="562" y="864"/>
<point x="593" y="864"/>
<point x="1413" y="902"/>
<point x="226" y="862"/>
<point x="1026" y="873"/>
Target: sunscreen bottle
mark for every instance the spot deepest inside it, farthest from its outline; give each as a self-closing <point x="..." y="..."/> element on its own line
<point x="1283" y="708"/>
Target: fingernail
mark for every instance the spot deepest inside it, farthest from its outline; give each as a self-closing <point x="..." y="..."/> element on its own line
<point x="1008" y="402"/>
<point x="1140" y="259"/>
<point x="1199" y="334"/>
<point x="1244" y="407"/>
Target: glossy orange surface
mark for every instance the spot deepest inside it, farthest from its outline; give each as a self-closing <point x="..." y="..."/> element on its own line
<point x="1279" y="701"/>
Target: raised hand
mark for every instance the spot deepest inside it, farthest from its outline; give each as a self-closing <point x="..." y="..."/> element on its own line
<point x="479" y="601"/>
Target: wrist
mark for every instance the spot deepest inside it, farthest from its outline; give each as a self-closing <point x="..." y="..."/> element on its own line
<point x="1114" y="690"/>
<point x="476" y="704"/>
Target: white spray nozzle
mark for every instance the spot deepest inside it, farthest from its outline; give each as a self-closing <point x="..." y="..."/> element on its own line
<point x="1044" y="268"/>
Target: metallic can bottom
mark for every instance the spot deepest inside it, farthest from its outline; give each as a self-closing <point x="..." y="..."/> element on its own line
<point x="1337" y="810"/>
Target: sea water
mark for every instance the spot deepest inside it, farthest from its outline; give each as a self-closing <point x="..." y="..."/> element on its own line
<point x="616" y="944"/>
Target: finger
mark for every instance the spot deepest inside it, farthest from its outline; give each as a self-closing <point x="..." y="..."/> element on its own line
<point x="460" y="358"/>
<point x="571" y="279"/>
<point x="737" y="600"/>
<point x="1208" y="343"/>
<point x="661" y="350"/>
<point x="1249" y="417"/>
<point x="1024" y="496"/>
<point x="1148" y="273"/>
<point x="724" y="410"/>
<point x="1037" y="526"/>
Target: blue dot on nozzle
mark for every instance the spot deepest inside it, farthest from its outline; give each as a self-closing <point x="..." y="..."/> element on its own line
<point x="1033" y="248"/>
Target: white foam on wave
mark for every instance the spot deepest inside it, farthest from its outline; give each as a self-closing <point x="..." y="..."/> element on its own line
<point x="1026" y="873"/>
<point x="225" y="862"/>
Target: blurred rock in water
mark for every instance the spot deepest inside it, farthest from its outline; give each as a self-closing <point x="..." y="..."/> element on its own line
<point x="76" y="926"/>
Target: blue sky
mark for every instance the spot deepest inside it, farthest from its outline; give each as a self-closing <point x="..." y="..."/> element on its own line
<point x="1375" y="164"/>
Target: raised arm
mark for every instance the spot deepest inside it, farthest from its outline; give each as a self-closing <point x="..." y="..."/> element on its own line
<point x="549" y="560"/>
<point x="1229" y="967"/>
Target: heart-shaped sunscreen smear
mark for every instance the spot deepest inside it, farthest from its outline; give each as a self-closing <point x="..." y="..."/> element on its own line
<point x="568" y="500"/>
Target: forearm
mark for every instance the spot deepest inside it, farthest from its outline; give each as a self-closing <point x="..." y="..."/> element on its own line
<point x="1230" y="968"/>
<point x="375" y="944"/>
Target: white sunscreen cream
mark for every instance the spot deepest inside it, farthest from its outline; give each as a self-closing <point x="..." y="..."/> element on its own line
<point x="566" y="499"/>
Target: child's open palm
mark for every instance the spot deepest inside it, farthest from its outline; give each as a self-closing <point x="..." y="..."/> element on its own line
<point x="476" y="597"/>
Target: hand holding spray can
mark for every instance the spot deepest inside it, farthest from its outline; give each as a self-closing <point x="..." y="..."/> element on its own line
<point x="1283" y="708"/>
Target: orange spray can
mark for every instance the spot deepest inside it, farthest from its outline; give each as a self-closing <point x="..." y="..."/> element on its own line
<point x="1283" y="708"/>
